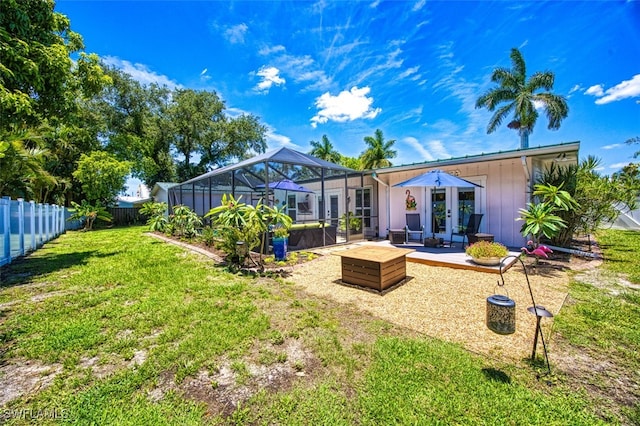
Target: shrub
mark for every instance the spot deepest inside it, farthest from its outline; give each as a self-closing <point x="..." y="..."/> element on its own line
<point x="88" y="213"/>
<point x="156" y="212"/>
<point x="486" y="249"/>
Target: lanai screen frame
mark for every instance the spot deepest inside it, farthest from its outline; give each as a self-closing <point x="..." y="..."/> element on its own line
<point x="243" y="178"/>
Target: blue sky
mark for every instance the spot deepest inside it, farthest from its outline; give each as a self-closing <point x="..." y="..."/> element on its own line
<point x="411" y="68"/>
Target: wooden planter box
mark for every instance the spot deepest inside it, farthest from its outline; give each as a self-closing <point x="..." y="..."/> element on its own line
<point x="374" y="267"/>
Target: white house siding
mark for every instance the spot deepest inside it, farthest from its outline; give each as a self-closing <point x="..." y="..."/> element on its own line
<point x="504" y="191"/>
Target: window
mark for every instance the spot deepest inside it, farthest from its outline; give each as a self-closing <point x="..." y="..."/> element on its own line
<point x="363" y="205"/>
<point x="466" y="206"/>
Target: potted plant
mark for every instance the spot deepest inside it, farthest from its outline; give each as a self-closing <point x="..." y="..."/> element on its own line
<point x="280" y="240"/>
<point x="354" y="223"/>
<point x="487" y="253"/>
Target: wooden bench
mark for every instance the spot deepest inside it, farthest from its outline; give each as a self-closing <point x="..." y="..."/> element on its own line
<point x="373" y="266"/>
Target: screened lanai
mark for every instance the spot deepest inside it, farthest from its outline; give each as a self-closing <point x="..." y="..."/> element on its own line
<point x="328" y="191"/>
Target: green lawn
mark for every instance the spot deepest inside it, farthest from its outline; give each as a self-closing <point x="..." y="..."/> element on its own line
<point x="137" y="331"/>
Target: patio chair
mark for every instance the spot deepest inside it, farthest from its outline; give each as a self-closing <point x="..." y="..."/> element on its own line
<point x="413" y="226"/>
<point x="472" y="228"/>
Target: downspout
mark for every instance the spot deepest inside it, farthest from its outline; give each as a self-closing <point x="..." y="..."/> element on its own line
<point x="375" y="177"/>
<point x="527" y="175"/>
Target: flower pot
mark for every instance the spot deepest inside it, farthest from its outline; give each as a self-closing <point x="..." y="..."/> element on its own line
<point x="487" y="261"/>
<point x="280" y="248"/>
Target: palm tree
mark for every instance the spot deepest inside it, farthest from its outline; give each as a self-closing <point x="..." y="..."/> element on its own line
<point x="378" y="152"/>
<point x="325" y="150"/>
<point x="521" y="97"/>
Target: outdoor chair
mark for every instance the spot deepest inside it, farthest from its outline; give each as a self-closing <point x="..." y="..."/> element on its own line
<point x="413" y="226"/>
<point x="472" y="228"/>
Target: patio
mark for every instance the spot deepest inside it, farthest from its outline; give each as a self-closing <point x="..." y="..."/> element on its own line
<point x="440" y="301"/>
<point x="450" y="257"/>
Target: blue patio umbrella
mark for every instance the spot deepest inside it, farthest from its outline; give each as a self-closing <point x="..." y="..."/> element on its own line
<point x="437" y="179"/>
<point x="286" y="185"/>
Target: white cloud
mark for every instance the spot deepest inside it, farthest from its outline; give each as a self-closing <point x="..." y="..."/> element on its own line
<point x="305" y="70"/>
<point x="204" y="76"/>
<point x="612" y="146"/>
<point x="418" y="150"/>
<point x="267" y="50"/>
<point x="596" y="90"/>
<point x="235" y="34"/>
<point x="275" y="140"/>
<point x="575" y="88"/>
<point x="346" y="106"/>
<point x="618" y="165"/>
<point x="270" y="76"/>
<point x="418" y="5"/>
<point x="409" y="72"/>
<point x="438" y="149"/>
<point x="140" y="72"/>
<point x="626" y="89"/>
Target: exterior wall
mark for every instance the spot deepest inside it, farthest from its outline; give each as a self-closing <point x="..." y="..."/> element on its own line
<point x="505" y="190"/>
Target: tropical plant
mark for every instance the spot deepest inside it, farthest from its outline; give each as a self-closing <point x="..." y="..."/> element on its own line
<point x="522" y="97"/>
<point x="22" y="168"/>
<point x="599" y="199"/>
<point x="541" y="218"/>
<point x="378" y="151"/>
<point x="325" y="150"/>
<point x="355" y="223"/>
<point x="280" y="232"/>
<point x="88" y="214"/>
<point x="482" y="249"/>
<point x="236" y="221"/>
<point x="184" y="222"/>
<point x="157" y="219"/>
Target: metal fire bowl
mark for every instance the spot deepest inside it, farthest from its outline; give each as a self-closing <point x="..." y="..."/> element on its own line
<point x="540" y="311"/>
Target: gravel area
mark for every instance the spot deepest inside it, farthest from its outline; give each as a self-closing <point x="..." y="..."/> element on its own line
<point x="446" y="303"/>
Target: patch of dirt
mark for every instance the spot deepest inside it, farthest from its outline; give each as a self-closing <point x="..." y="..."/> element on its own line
<point x="25" y="377"/>
<point x="224" y="389"/>
<point x="610" y="385"/>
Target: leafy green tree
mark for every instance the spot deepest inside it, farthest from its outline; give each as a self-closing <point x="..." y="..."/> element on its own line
<point x="88" y="213"/>
<point x="325" y="150"/>
<point x="36" y="67"/>
<point x="354" y="163"/>
<point x="599" y="199"/>
<point x="378" y="152"/>
<point x="22" y="165"/>
<point x="102" y="176"/>
<point x="517" y="96"/>
<point x="193" y="114"/>
<point x="232" y="138"/>
<point x="200" y="126"/>
<point x="632" y="141"/>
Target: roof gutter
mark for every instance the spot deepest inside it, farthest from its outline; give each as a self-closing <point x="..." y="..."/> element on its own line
<point x="529" y="152"/>
<point x="375" y="177"/>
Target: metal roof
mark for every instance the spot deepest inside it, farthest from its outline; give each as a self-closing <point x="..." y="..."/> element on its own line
<point x="501" y="155"/>
<point x="281" y="155"/>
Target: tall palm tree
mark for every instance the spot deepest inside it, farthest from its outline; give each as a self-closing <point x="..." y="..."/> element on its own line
<point x="378" y="152"/>
<point x="325" y="150"/>
<point x="521" y="98"/>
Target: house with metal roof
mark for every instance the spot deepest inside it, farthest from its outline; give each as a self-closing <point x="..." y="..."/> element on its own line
<point x="369" y="205"/>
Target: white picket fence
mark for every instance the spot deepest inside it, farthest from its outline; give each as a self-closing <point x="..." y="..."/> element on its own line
<point x="25" y="226"/>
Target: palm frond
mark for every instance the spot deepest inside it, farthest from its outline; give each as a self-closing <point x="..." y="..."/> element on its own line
<point x="499" y="116"/>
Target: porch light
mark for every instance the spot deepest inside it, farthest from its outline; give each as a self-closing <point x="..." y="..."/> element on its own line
<point x="241" y="249"/>
<point x="501" y="313"/>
